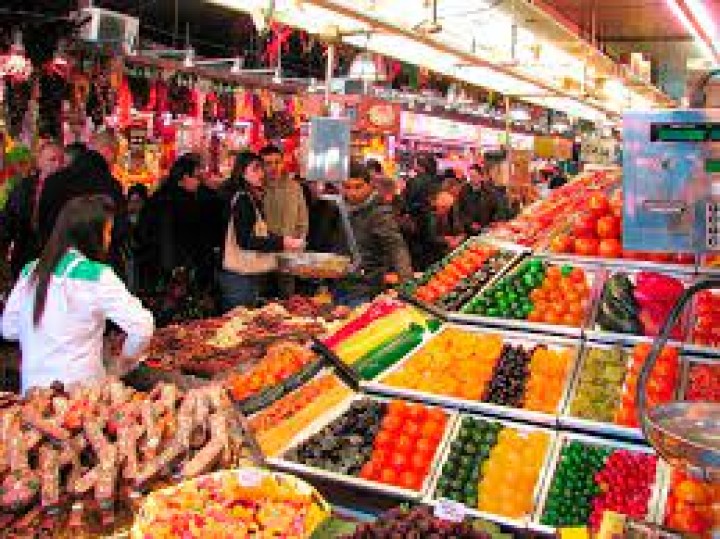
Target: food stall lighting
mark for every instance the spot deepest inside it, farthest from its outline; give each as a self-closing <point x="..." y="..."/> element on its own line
<point x="367" y="67"/>
<point x="189" y="60"/>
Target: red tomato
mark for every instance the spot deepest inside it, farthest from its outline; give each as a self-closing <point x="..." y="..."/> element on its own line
<point x="388" y="475"/>
<point x="586" y="246"/>
<point x="416" y="412"/>
<point x="381" y="456"/>
<point x="412" y="428"/>
<point x="436" y="414"/>
<point x="598" y="204"/>
<point x="561" y="243"/>
<point x="420" y="462"/>
<point x="404" y="444"/>
<point x="609" y="227"/>
<point x="432" y="430"/>
<point x="392" y="423"/>
<point x="399" y="461"/>
<point x="370" y="471"/>
<point x="610" y="248"/>
<point x="397" y="408"/>
<point x="425" y="446"/>
<point x="585" y="226"/>
<point x="384" y="439"/>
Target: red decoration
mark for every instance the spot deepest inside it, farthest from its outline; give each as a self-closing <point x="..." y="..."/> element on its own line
<point x="279" y="37"/>
<point x="124" y="103"/>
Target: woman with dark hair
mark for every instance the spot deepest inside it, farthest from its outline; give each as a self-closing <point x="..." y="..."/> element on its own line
<point x="175" y="225"/>
<point x="250" y="249"/>
<point x="60" y="304"/>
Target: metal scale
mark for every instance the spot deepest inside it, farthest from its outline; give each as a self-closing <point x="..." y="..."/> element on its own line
<point x="671" y="170"/>
<point x="328" y="162"/>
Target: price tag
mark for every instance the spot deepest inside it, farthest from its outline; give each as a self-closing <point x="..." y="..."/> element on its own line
<point x="249" y="477"/>
<point x="450" y="510"/>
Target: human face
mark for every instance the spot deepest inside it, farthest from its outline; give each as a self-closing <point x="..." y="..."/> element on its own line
<point x="190" y="183"/>
<point x="273" y="166"/>
<point x="50" y="160"/>
<point x="356" y="190"/>
<point x="255" y="174"/>
<point x="475" y="177"/>
<point x="443" y="202"/>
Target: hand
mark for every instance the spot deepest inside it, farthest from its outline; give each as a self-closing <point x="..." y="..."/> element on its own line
<point x="391" y="279"/>
<point x="293" y="244"/>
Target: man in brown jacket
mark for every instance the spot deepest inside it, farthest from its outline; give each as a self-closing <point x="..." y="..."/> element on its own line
<point x="285" y="209"/>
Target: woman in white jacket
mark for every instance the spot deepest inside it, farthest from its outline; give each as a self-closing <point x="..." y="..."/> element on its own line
<point x="61" y="302"/>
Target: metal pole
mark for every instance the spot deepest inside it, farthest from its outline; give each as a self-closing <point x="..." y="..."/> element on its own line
<point x="329" y="71"/>
<point x="508" y="126"/>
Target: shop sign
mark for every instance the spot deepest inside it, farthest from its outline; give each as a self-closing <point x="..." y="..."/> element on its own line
<point x="375" y="116"/>
<point x="422" y="125"/>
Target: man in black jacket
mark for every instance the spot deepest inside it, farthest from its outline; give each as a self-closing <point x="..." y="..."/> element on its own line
<point x="481" y="201"/>
<point x="383" y="251"/>
<point x="19" y="235"/>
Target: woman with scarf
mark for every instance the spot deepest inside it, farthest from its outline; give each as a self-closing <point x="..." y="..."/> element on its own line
<point x="250" y="249"/>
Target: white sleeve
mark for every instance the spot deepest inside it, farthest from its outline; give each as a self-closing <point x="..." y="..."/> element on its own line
<point x="116" y="302"/>
<point x="11" y="314"/>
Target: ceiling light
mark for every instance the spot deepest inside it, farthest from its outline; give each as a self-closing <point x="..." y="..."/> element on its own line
<point x="367" y="67"/>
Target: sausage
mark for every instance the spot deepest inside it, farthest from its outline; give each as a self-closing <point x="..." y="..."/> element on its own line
<point x="128" y="437"/>
<point x="49" y="476"/>
<point x="19" y="489"/>
<point x="33" y="419"/>
<point x="208" y="455"/>
<point x="107" y="474"/>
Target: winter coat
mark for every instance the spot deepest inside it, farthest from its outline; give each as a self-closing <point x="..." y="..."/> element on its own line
<point x="18" y="231"/>
<point x="380" y="243"/>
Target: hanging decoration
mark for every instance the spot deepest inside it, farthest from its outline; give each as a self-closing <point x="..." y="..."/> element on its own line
<point x="278" y="43"/>
<point x="15" y="66"/>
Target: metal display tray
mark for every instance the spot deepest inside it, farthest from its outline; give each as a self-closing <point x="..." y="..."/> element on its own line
<point x="595" y="333"/>
<point x="357" y="482"/>
<point x="595" y="275"/>
<point x="563" y="439"/>
<point x="376" y="386"/>
<point x="519" y="523"/>
<point x="566" y="420"/>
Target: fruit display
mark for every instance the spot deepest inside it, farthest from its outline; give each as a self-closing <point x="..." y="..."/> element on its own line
<point x="376" y="361"/>
<point x="215" y="346"/>
<point x="378" y="333"/>
<point x="493" y="468"/>
<point x="549" y="371"/>
<point x="536" y="223"/>
<point x="485" y="367"/>
<point x="454" y="281"/>
<point x="599" y="391"/>
<point x="692" y="506"/>
<point x="638" y="304"/>
<point x="590" y="478"/>
<point x="285" y="366"/>
<point x="361" y="318"/>
<point x="661" y="386"/>
<point x="538" y="292"/>
<point x="596" y="231"/>
<point x="393" y="443"/>
<point x="420" y="522"/>
<point x="247" y="502"/>
<point x="706" y="327"/>
<point x="456" y="363"/>
<point x="703" y="382"/>
<point x="92" y="446"/>
<point x="279" y="423"/>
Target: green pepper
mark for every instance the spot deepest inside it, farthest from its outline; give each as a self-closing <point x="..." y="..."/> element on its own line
<point x="389" y="353"/>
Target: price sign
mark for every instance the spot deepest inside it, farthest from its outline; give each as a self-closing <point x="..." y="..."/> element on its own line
<point x="249" y="477"/>
<point x="450" y="510"/>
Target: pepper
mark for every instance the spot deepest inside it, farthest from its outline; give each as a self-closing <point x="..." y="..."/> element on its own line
<point x="389" y="353"/>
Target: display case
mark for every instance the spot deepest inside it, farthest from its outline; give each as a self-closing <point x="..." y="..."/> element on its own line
<point x="455" y="451"/>
<point x="569" y="348"/>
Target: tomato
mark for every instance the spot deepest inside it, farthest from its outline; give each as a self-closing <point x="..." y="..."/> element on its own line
<point x="381" y="456"/>
<point x="577" y="275"/>
<point x="432" y="430"/>
<point x="610" y="248"/>
<point x="410" y="480"/>
<point x="585" y="226"/>
<point x="384" y="440"/>
<point x="388" y="475"/>
<point x="562" y="243"/>
<point x="411" y="428"/>
<point x="420" y="462"/>
<point x="397" y="408"/>
<point x="586" y="246"/>
<point x="370" y="471"/>
<point x="416" y="412"/>
<point x="392" y="423"/>
<point x="598" y="204"/>
<point x="437" y="415"/>
<point x="425" y="446"/>
<point x="399" y="461"/>
<point x="404" y="443"/>
<point x="609" y="227"/>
